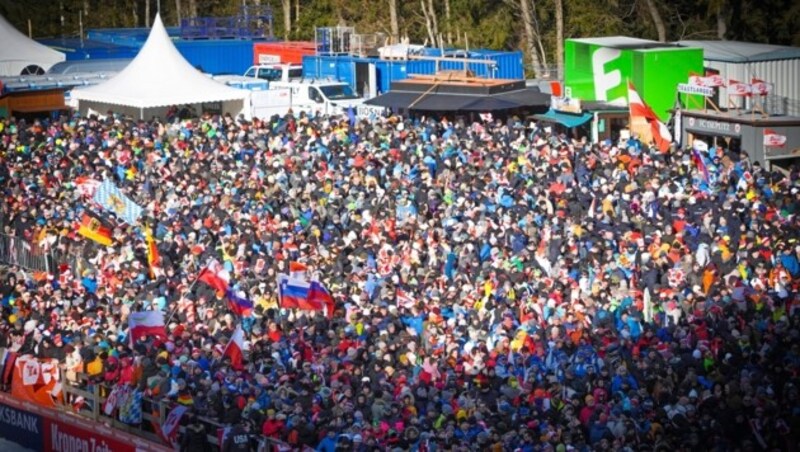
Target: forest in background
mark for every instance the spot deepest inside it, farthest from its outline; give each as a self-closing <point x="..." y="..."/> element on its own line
<point x="538" y="27"/>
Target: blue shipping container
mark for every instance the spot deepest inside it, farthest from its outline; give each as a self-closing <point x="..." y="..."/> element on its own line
<point x="76" y="49"/>
<point x="134" y="37"/>
<point x="213" y="56"/>
<point x="218" y="56"/>
<point x="505" y="65"/>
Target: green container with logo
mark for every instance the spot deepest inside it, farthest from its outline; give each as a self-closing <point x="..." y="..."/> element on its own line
<point x="599" y="70"/>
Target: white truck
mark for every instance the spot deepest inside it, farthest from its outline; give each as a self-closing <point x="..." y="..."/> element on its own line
<point x="277" y="89"/>
<point x="258" y="78"/>
<point x="327" y="97"/>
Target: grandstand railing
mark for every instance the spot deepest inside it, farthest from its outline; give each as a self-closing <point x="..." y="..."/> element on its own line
<point x="94" y="395"/>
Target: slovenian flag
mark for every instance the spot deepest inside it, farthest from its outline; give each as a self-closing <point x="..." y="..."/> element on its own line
<point x="239" y="304"/>
<point x="235" y="348"/>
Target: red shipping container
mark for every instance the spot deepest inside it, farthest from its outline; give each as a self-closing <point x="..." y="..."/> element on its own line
<point x="288" y="52"/>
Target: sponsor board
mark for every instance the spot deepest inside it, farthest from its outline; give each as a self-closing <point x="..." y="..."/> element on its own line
<point x="687" y="88"/>
<point x="20" y="427"/>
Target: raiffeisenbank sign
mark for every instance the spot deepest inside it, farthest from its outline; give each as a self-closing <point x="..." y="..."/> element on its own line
<point x="599" y="70"/>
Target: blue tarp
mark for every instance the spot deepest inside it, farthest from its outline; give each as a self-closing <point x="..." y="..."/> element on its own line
<point x="564" y="119"/>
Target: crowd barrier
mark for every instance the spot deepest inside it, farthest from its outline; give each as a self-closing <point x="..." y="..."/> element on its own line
<point x="20" y="252"/>
<point x="154" y="412"/>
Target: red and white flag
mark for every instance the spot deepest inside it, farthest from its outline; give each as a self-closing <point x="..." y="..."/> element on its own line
<point x="773" y="139"/>
<point x="86" y="186"/>
<point x="169" y="429"/>
<point x="403" y="299"/>
<point x="235" y="348"/>
<point x="215" y="276"/>
<point x="661" y="135"/>
<point x="709" y="81"/>
<point x="146" y="323"/>
<point x="737" y="88"/>
<point x="297" y="270"/>
<point x="760" y="87"/>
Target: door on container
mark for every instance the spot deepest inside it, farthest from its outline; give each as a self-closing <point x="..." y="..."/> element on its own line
<point x="365" y="80"/>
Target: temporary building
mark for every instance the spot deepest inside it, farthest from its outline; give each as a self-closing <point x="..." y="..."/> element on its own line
<point x="158" y="78"/>
<point x="20" y="55"/>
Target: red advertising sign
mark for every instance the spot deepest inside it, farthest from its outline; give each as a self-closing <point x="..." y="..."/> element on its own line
<point x="60" y="436"/>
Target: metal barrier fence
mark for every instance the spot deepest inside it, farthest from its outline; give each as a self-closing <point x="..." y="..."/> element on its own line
<point x="25" y="254"/>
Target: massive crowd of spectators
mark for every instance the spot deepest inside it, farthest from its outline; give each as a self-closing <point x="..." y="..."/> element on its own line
<point x="499" y="286"/>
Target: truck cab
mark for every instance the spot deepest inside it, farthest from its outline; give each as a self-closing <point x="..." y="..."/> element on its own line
<point x="274" y="72"/>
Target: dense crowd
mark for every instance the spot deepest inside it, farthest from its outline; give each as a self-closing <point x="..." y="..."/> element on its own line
<point x="499" y="286"/>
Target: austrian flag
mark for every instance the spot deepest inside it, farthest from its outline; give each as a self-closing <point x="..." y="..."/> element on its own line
<point x="638" y="109"/>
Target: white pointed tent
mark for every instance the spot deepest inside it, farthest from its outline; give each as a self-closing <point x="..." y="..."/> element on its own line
<point x="157" y="78"/>
<point x="20" y="55"/>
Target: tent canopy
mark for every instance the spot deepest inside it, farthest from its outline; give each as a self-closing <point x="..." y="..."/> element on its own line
<point x="565" y="119"/>
<point x="18" y="51"/>
<point x="159" y="76"/>
<point x="524" y="98"/>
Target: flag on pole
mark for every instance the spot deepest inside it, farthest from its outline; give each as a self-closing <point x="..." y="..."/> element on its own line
<point x="146" y="323"/>
<point x="93" y="228"/>
<point x="215" y="276"/>
<point x="760" y="87"/>
<point x="737" y="88"/>
<point x="112" y="199"/>
<point x="235" y="348"/>
<point x="638" y="109"/>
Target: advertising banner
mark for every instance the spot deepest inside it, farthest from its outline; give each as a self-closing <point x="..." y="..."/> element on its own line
<point x="21" y="428"/>
<point x="61" y="436"/>
<point x="26" y="426"/>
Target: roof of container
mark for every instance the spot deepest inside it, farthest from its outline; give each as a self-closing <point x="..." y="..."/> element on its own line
<point x="742" y="52"/>
<point x="72" y="44"/>
<point x="623" y="42"/>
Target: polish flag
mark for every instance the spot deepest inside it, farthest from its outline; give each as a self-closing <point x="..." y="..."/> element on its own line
<point x="146" y="323"/>
<point x="297" y="270"/>
<point x="235" y="348"/>
<point x="215" y="276"/>
<point x="661" y="135"/>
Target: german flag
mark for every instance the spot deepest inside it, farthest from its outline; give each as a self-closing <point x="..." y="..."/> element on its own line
<point x="92" y="227"/>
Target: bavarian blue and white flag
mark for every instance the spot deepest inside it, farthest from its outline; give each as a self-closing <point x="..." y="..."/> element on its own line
<point x="111" y="199"/>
